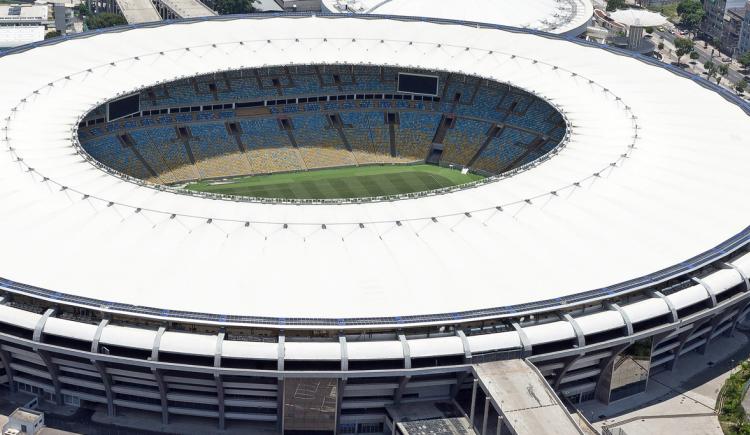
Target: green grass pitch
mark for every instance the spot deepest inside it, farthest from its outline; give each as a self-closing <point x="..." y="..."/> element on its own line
<point x="354" y="182"/>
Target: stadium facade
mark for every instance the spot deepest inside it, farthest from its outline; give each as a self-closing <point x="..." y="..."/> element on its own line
<point x="629" y="237"/>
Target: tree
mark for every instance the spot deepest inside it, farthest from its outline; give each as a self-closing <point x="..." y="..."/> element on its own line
<point x="691" y="14"/>
<point x="660" y="46"/>
<point x="684" y="46"/>
<point x="52" y="34"/>
<point x="741" y="86"/>
<point x="711" y="69"/>
<point x="649" y="30"/>
<point x="229" y="7"/>
<point x="722" y="71"/>
<point x="744" y="60"/>
<point x="613" y="5"/>
<point x="694" y="55"/>
<point x="83" y="10"/>
<point x="101" y="21"/>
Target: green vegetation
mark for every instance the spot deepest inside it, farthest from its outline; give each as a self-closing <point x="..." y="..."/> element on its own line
<point x="229" y="7"/>
<point x="353" y="182"/>
<point x="744" y="60"/>
<point x="101" y="21"/>
<point x="691" y="14"/>
<point x="711" y="69"/>
<point x="731" y="414"/>
<point x="683" y="46"/>
<point x="741" y="86"/>
<point x="716" y="70"/>
<point x="668" y="10"/>
<point x="52" y="34"/>
<point x="723" y="71"/>
<point x="82" y="10"/>
<point x="613" y="5"/>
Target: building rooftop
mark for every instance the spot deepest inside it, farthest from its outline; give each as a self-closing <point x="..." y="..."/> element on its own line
<point x="23" y="13"/>
<point x="14" y="36"/>
<point x="554" y="16"/>
<point x="740" y="12"/>
<point x="638" y="17"/>
<point x="25" y="415"/>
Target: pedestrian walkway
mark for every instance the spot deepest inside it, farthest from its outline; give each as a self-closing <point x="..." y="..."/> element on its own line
<point x="684" y="398"/>
<point x="524" y="399"/>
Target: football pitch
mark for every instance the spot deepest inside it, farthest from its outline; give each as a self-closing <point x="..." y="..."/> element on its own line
<point x="355" y="182"/>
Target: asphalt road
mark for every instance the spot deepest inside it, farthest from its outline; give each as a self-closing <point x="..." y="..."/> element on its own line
<point x="734" y="76"/>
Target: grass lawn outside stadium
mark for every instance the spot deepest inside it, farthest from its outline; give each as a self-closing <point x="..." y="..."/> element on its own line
<point x="352" y="182"/>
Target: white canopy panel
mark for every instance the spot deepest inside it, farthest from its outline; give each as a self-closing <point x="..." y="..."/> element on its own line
<point x="17" y="317"/>
<point x="599" y="322"/>
<point x="638" y="17"/>
<point x="250" y="349"/>
<point x="723" y="280"/>
<point x="688" y="296"/>
<point x="491" y="342"/>
<point x="312" y="351"/>
<point x="70" y="329"/>
<point x="188" y="343"/>
<point x="134" y="338"/>
<point x="69" y="227"/>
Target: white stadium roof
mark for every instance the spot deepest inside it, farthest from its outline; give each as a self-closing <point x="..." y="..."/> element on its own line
<point x="554" y="16"/>
<point x="638" y="17"/>
<point x="548" y="232"/>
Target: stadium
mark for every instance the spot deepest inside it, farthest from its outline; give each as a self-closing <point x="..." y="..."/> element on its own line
<point x="587" y="224"/>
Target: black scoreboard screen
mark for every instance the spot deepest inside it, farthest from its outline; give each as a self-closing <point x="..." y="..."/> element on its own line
<point x="123" y="107"/>
<point x="417" y="84"/>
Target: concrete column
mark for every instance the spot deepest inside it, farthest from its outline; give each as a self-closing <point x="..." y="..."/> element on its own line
<point x="737" y="318"/>
<point x="602" y="389"/>
<point x="218" y="380"/>
<point x="342" y="380"/>
<point x="160" y="377"/>
<point x="580" y="338"/>
<point x="461" y="377"/>
<point x="569" y="363"/>
<point x="672" y="310"/>
<point x="407" y="364"/>
<point x="525" y="342"/>
<point x="741" y="273"/>
<point x="5" y="359"/>
<point x="472" y="409"/>
<point x="407" y="350"/>
<point x="683" y="338"/>
<point x="486" y="414"/>
<point x="100" y="367"/>
<point x="465" y="343"/>
<point x="708" y="289"/>
<point x="625" y="318"/>
<point x="281" y="353"/>
<point x="46" y="358"/>
<point x="499" y="430"/>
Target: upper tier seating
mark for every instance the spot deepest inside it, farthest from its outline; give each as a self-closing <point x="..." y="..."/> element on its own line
<point x="190" y="129"/>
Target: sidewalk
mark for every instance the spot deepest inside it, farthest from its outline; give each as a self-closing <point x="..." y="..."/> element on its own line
<point x="683" y="399"/>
